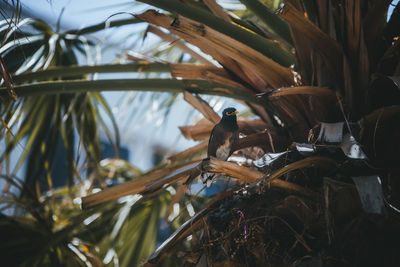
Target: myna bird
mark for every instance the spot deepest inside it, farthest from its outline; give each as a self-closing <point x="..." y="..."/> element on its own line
<point x="223" y="139"/>
<point x="224" y="136"/>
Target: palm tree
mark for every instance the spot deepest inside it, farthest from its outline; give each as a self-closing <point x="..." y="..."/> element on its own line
<point x="322" y="79"/>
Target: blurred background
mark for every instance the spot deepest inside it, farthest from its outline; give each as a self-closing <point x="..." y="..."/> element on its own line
<point x="148" y="122"/>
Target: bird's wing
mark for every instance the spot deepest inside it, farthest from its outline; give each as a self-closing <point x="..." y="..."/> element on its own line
<point x="234" y="141"/>
<point x="214" y="141"/>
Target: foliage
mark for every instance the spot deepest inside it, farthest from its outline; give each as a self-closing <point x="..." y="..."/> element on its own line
<point x="43" y="119"/>
<point x="301" y="69"/>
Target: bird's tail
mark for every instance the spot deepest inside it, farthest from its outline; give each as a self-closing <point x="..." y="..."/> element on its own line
<point x="193" y="174"/>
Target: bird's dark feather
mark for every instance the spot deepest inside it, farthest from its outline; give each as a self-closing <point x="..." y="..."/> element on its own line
<point x="219" y="136"/>
<point x="223" y="142"/>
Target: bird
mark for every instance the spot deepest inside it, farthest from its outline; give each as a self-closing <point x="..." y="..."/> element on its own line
<point x="223" y="139"/>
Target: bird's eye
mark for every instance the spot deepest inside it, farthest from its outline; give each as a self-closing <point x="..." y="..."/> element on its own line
<point x="227" y="113"/>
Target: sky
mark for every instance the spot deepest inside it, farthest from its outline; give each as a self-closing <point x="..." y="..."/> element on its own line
<point x="77" y="13"/>
<point x="391" y="7"/>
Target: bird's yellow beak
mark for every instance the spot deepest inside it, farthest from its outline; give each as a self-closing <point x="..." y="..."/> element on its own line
<point x="232" y="113"/>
